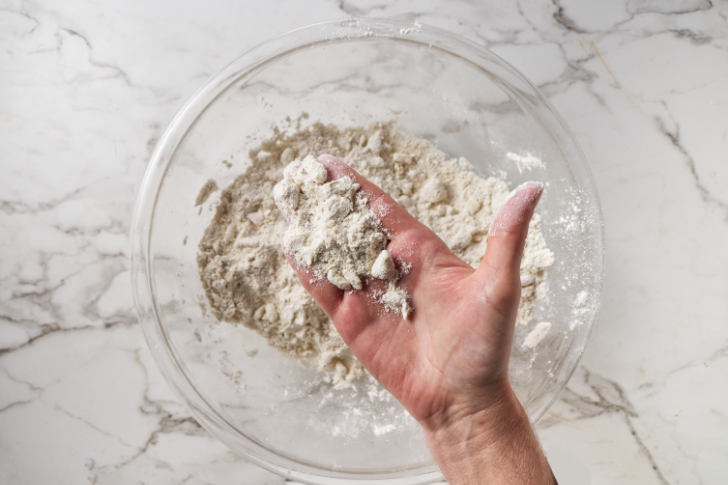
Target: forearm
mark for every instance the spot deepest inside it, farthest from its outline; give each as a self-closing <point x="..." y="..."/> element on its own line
<point x="493" y="446"/>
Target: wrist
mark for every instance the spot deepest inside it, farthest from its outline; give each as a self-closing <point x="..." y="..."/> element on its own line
<point x="470" y="422"/>
<point x="493" y="443"/>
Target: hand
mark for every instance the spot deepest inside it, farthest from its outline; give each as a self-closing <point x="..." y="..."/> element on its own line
<point x="453" y="351"/>
<point x="448" y="362"/>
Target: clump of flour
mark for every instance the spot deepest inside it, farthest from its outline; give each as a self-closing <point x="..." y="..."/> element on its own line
<point x="536" y="335"/>
<point x="332" y="231"/>
<point x="248" y="280"/>
<point x="526" y="161"/>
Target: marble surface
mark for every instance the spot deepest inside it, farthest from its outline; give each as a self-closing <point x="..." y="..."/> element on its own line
<point x="86" y="88"/>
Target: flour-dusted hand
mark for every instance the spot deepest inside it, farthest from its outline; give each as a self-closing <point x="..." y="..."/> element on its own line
<point x="447" y="363"/>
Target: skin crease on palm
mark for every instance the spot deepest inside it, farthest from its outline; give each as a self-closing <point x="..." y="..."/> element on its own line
<point x="449" y="358"/>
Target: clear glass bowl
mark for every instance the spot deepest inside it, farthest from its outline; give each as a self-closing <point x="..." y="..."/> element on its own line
<point x="436" y="85"/>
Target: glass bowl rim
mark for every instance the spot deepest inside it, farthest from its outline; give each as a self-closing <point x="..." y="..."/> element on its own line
<point x="143" y="217"/>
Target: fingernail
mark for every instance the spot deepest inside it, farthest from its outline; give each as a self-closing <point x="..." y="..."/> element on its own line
<point x="334" y="166"/>
<point x="527" y="190"/>
<point x="327" y="159"/>
<point x="518" y="204"/>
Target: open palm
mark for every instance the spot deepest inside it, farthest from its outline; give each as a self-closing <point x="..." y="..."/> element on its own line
<point x="451" y="355"/>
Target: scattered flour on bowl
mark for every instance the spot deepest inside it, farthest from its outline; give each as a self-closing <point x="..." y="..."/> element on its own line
<point x="536" y="335"/>
<point x="248" y="280"/>
<point x="526" y="161"/>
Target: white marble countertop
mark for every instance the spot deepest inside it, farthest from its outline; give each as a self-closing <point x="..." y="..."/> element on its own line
<point x="86" y="88"/>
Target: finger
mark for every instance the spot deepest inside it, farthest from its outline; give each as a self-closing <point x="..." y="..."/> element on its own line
<point x="394" y="218"/>
<point x="350" y="311"/>
<point x="326" y="294"/>
<point x="507" y="238"/>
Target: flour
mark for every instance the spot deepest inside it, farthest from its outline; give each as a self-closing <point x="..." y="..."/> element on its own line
<point x="332" y="231"/>
<point x="383" y="267"/>
<point x="248" y="280"/>
<point x="526" y="161"/>
<point x="536" y="335"/>
<point x="205" y="192"/>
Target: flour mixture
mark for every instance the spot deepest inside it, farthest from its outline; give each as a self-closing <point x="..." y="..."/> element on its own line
<point x="248" y="280"/>
<point x="332" y="231"/>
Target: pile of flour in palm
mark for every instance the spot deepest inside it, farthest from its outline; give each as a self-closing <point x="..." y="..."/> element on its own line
<point x="333" y="232"/>
<point x="248" y="280"/>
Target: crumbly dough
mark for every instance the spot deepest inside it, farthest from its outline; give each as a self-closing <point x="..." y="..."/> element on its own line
<point x="332" y="231"/>
<point x="248" y="280"/>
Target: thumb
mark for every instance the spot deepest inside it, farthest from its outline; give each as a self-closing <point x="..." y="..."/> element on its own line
<point x="500" y="267"/>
